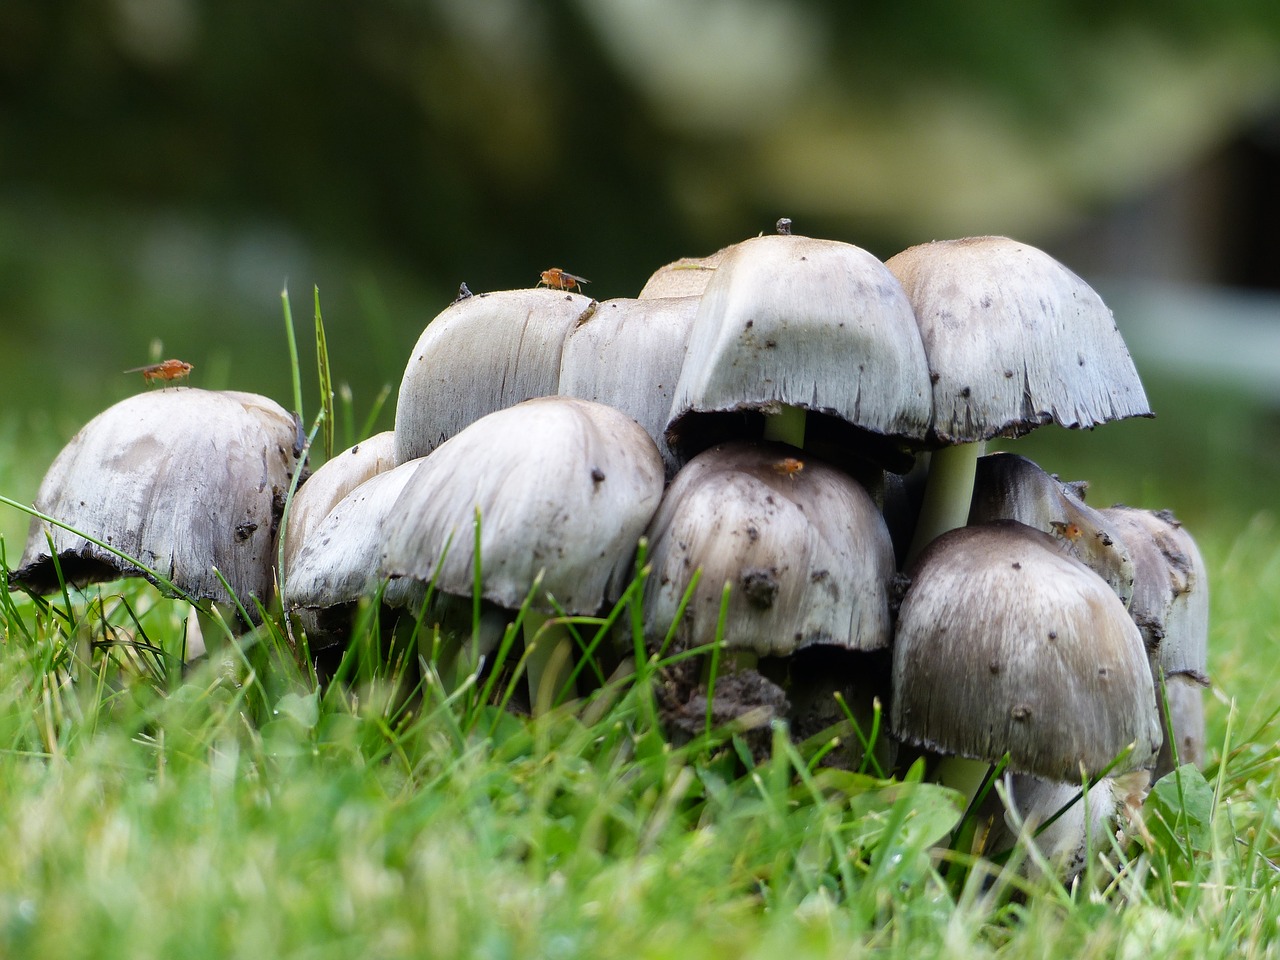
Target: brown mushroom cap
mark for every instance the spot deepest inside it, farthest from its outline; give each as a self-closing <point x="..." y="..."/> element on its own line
<point x="806" y="554"/>
<point x="183" y="480"/>
<point x="1007" y="644"/>
<point x="1014" y="340"/>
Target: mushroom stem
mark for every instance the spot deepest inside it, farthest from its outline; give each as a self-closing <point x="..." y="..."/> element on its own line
<point x="786" y="426"/>
<point x="548" y="663"/>
<point x="947" y="493"/>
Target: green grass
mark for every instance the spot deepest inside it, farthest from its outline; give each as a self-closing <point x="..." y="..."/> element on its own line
<point x="231" y="810"/>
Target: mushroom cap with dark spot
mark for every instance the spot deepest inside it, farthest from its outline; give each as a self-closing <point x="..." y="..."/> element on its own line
<point x="1005" y="643"/>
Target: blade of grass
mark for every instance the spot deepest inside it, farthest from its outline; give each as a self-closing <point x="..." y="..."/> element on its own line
<point x="326" y="380"/>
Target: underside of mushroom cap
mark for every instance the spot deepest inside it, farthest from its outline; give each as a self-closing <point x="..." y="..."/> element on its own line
<point x="813" y="324"/>
<point x="805" y="552"/>
<point x="481" y="354"/>
<point x="563" y="487"/>
<point x="1014" y="340"/>
<point x="1005" y="644"/>
<point x="181" y="479"/>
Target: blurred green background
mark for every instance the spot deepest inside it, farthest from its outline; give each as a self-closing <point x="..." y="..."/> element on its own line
<point x="168" y="166"/>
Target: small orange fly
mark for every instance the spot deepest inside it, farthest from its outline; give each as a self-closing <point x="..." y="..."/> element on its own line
<point x="166" y="370"/>
<point x="1067" y="531"/>
<point x="558" y="279"/>
<point x="789" y="466"/>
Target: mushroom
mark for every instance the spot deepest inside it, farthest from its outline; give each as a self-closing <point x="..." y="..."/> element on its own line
<point x="1005" y="644"/>
<point x="481" y="354"/>
<point x="182" y="486"/>
<point x="329" y="484"/>
<point x="797" y="334"/>
<point x="803" y="550"/>
<point x="627" y="354"/>
<point x="1014" y="340"/>
<point x="686" y="277"/>
<point x="563" y="488"/>
<point x="1010" y="487"/>
<point x="1171" y="608"/>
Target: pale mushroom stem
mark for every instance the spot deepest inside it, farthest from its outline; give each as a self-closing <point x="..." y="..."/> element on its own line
<point x="549" y="662"/>
<point x="786" y="426"/>
<point x="947" y="493"/>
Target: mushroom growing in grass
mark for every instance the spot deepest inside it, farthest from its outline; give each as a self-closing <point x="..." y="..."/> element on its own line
<point x="329" y="484"/>
<point x="481" y="354"/>
<point x="1005" y="644"/>
<point x="795" y="334"/>
<point x="627" y="355"/>
<point x="563" y="488"/>
<point x="800" y="545"/>
<point x="1014" y="340"/>
<point x="188" y="483"/>
<point x="1171" y="608"/>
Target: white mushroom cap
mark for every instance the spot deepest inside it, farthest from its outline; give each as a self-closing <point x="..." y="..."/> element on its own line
<point x="183" y="480"/>
<point x="564" y="487"/>
<point x="330" y="483"/>
<point x="628" y="355"/>
<point x="481" y="354"/>
<point x="1005" y="644"/>
<point x="1014" y="340"/>
<point x="813" y="324"/>
<point x="806" y="554"/>
<point x="686" y="277"/>
<point x="1010" y="487"/>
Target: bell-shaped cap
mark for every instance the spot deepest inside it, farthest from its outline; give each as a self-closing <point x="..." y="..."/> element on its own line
<point x="481" y="354"/>
<point x="564" y="488"/>
<point x="1006" y="644"/>
<point x="1014" y="340"/>
<point x="628" y="355"/>
<point x="813" y="324"/>
<point x="1007" y="486"/>
<point x="686" y="277"/>
<point x="805" y="552"/>
<point x="182" y="480"/>
<point x="329" y="484"/>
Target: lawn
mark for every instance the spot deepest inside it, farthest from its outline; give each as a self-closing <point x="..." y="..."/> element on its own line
<point x="231" y="809"/>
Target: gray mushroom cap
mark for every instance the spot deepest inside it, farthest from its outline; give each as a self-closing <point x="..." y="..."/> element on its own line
<point x="1005" y="643"/>
<point x="330" y="483"/>
<point x="181" y="479"/>
<point x="806" y="554"/>
<point x="481" y="354"/>
<point x="813" y="324"/>
<point x="628" y="355"/>
<point x="1010" y="487"/>
<point x="1014" y="340"/>
<point x="564" y="488"/>
<point x="340" y="559"/>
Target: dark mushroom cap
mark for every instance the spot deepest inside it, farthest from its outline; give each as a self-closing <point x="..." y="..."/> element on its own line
<point x="1014" y="340"/>
<point x="1005" y="643"/>
<point x="813" y="324"/>
<point x="481" y="354"/>
<point x="564" y="488"/>
<point x="806" y="554"/>
<point x="181" y="479"/>
<point x="1011" y="487"/>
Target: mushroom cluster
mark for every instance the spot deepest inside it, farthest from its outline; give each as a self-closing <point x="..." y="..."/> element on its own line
<point x="798" y="430"/>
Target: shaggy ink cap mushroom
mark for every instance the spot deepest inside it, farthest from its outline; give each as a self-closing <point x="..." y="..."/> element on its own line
<point x="329" y="484"/>
<point x="1014" y="340"/>
<point x="482" y="353"/>
<point x="1006" y="644"/>
<point x="1011" y="487"/>
<point x="793" y="327"/>
<point x="627" y="354"/>
<point x="188" y="482"/>
<point x="1171" y="608"/>
<point x="805" y="551"/>
<point x="686" y="277"/>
